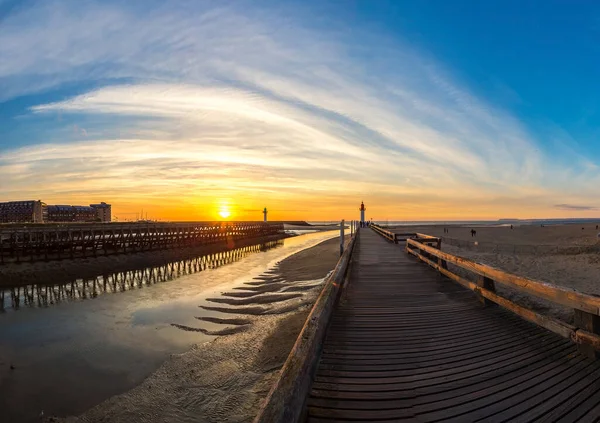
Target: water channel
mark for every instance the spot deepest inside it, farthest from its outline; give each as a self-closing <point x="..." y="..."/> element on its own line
<point x="69" y="346"/>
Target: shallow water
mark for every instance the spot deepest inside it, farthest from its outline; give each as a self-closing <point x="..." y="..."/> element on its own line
<point x="74" y="354"/>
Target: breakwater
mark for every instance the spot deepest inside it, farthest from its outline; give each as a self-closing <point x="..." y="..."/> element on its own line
<point x="44" y="295"/>
<point x="55" y="242"/>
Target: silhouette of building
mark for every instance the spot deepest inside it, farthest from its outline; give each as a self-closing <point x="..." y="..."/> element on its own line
<point x="103" y="211"/>
<point x="32" y="211"/>
<point x="67" y="213"/>
<point x="39" y="212"/>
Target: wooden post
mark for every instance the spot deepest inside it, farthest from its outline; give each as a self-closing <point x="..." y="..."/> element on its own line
<point x="488" y="284"/>
<point x="342" y="237"/>
<point x="442" y="263"/>
<point x="590" y="323"/>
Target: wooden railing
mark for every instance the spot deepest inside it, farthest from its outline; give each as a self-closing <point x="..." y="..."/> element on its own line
<point x="397" y="237"/>
<point x="586" y="329"/>
<point x="384" y="232"/>
<point x="84" y="240"/>
<point x="286" y="400"/>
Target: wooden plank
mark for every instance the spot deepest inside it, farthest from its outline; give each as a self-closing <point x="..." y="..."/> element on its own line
<point x="556" y="326"/>
<point x="401" y="347"/>
<point x="286" y="399"/>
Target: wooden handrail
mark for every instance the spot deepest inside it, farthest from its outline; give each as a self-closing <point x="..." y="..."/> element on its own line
<point x="585" y="332"/>
<point x="286" y="399"/>
<point x="557" y="294"/>
<point x="383" y="232"/>
<point x="420" y="235"/>
<point x="395" y="237"/>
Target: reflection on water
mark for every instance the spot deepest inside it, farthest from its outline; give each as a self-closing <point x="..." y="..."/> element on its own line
<point x="81" y="289"/>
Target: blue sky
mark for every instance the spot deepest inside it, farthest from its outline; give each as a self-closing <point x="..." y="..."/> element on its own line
<point x="425" y="110"/>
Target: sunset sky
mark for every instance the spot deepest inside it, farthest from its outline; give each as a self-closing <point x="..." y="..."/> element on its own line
<point x="425" y="110"/>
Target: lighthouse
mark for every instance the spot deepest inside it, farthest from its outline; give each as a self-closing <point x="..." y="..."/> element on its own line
<point x="362" y="213"/>
<point x="265" y="214"/>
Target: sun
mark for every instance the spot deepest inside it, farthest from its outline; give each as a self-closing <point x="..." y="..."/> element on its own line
<point x="224" y="213"/>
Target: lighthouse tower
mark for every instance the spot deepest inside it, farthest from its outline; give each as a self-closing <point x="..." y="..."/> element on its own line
<point x="362" y="212"/>
<point x="265" y="214"/>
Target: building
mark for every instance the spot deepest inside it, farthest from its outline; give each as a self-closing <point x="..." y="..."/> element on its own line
<point x="39" y="212"/>
<point x="64" y="213"/>
<point x="103" y="212"/>
<point x="23" y="212"/>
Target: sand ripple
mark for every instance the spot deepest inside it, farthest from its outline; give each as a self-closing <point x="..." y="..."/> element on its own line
<point x="226" y="331"/>
<point x="262" y="299"/>
<point x="225" y="321"/>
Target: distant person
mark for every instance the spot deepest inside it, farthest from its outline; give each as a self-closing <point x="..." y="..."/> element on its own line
<point x="511" y="226"/>
<point x="473" y="233"/>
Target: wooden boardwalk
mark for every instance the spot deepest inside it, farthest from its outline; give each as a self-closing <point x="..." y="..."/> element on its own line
<point x="406" y="344"/>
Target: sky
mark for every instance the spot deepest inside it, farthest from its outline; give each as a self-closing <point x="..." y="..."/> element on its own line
<point x="424" y="110"/>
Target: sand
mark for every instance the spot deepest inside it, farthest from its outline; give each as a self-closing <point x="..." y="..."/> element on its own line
<point x="569" y="235"/>
<point x="573" y="262"/>
<point x="226" y="379"/>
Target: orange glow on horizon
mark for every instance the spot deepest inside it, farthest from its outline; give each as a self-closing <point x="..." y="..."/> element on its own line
<point x="320" y="206"/>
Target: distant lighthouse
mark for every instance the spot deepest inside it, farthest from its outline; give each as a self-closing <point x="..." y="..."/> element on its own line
<point x="265" y="214"/>
<point x="362" y="212"/>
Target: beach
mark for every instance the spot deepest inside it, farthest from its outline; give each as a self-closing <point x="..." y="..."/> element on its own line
<point x="226" y="378"/>
<point x="565" y="255"/>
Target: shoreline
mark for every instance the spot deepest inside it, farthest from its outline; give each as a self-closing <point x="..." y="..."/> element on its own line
<point x="227" y="378"/>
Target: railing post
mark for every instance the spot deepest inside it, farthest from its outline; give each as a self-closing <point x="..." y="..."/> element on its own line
<point x="441" y="262"/>
<point x="342" y="237"/>
<point x="589" y="323"/>
<point x="486" y="283"/>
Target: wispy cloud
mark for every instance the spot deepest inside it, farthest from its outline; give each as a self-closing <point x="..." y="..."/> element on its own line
<point x="574" y="207"/>
<point x="225" y="99"/>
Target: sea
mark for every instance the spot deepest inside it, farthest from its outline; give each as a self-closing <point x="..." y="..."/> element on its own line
<point x="478" y="223"/>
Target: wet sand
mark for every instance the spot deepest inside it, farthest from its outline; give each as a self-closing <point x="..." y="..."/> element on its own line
<point x="226" y="379"/>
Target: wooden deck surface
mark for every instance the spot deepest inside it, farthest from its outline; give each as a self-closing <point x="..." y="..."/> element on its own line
<point x="406" y="344"/>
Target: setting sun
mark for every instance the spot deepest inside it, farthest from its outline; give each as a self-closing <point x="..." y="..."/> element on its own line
<point x="224" y="213"/>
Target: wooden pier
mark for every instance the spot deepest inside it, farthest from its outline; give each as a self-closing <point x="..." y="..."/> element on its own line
<point x="391" y="339"/>
<point x="48" y="242"/>
<point x="45" y="295"/>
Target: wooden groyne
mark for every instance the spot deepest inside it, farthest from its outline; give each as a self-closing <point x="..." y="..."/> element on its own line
<point x="37" y="242"/>
<point x="406" y="343"/>
<point x="45" y="295"/>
